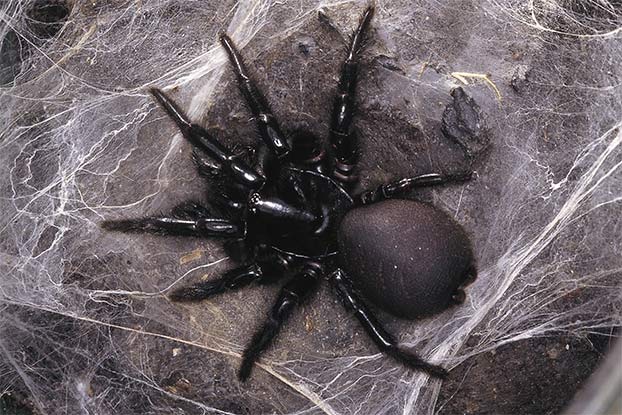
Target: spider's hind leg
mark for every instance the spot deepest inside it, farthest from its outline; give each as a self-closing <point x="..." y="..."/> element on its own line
<point x="399" y="187"/>
<point x="342" y="135"/>
<point x="385" y="342"/>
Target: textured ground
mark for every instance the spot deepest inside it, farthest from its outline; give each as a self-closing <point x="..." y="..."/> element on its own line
<point x="91" y="320"/>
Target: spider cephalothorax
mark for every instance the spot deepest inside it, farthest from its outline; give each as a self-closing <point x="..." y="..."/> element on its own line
<point x="291" y="214"/>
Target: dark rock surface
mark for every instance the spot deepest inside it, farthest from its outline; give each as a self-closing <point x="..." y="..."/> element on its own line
<point x="84" y="318"/>
<point x="464" y="123"/>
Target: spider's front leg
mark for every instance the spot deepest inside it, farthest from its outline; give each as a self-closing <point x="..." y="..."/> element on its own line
<point x="186" y="219"/>
<point x="342" y="135"/>
<point x="292" y="293"/>
<point x="234" y="166"/>
<point x="385" y="342"/>
<point x="266" y="121"/>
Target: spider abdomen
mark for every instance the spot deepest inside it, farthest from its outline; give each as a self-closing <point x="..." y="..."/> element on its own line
<point x="407" y="257"/>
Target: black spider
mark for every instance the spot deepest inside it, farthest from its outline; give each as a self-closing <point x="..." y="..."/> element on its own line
<point x="291" y="214"/>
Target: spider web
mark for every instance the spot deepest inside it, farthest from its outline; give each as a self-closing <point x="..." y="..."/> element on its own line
<point x="85" y="325"/>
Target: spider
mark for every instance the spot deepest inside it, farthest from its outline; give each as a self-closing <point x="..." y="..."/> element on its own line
<point x="288" y="212"/>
